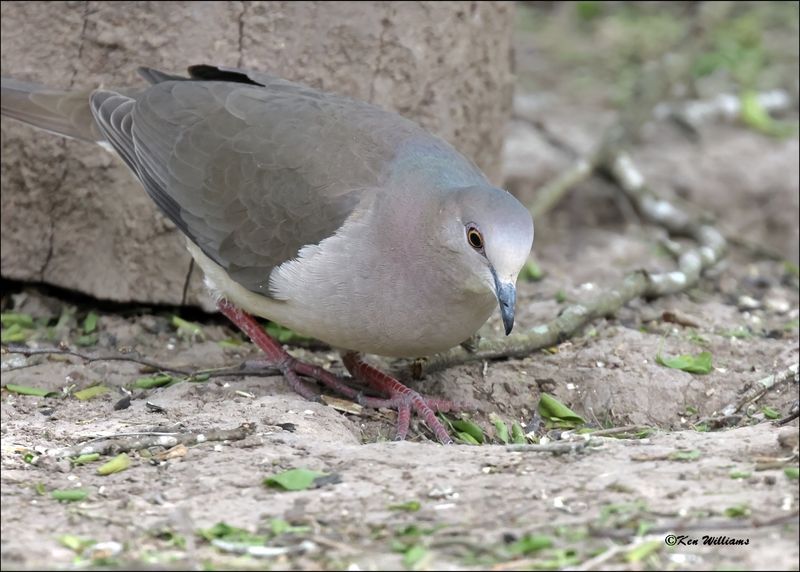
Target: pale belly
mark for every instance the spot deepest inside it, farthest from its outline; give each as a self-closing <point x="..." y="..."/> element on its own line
<point x="382" y="323"/>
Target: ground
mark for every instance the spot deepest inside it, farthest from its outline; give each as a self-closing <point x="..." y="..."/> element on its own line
<point x="610" y="502"/>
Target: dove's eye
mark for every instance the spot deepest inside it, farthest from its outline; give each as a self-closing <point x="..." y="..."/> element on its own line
<point x="474" y="237"/>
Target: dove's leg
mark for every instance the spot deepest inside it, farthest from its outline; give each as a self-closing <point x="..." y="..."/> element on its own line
<point x="400" y="397"/>
<point x="290" y="367"/>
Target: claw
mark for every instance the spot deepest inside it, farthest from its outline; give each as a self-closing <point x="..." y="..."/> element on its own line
<point x="399" y="397"/>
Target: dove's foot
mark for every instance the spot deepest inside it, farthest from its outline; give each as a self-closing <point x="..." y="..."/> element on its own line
<point x="400" y="397"/>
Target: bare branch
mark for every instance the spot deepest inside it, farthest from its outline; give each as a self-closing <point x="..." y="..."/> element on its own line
<point x="27" y="352"/>
<point x="114" y="444"/>
<point x="762" y="386"/>
<point x="245" y="369"/>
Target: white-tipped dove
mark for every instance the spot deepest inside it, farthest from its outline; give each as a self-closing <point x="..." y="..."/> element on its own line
<point x="328" y="215"/>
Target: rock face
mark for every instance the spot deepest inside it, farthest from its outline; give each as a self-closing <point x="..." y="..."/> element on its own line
<point x="73" y="216"/>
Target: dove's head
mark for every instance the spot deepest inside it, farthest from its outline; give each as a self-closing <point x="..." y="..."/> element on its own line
<point x="490" y="234"/>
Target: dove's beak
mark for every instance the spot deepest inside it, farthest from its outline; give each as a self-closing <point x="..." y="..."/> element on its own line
<point x="506" y="293"/>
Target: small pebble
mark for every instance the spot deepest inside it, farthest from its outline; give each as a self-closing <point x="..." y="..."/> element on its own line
<point x="748" y="303"/>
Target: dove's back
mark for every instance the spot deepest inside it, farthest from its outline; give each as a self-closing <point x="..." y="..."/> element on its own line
<point x="251" y="167"/>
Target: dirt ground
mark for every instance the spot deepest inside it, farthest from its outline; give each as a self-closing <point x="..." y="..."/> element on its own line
<point x="612" y="503"/>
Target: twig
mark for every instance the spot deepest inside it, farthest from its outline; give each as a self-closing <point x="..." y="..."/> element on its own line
<point x="113" y="444"/>
<point x="242" y="370"/>
<point x="27" y="352"/>
<point x="262" y="551"/>
<point x="719" y="421"/>
<point x="754" y="247"/>
<point x="551" y="193"/>
<point x="620" y="430"/>
<point x="558" y="448"/>
<point x="762" y="386"/>
<point x="612" y="552"/>
<point x="791" y="417"/>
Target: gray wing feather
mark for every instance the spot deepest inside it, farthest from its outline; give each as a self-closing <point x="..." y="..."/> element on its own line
<point x="251" y="173"/>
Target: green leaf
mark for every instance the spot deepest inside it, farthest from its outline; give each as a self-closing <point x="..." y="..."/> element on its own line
<point x="75" y="543"/>
<point x="740" y="333"/>
<point x="279" y="526"/>
<point x="466" y="438"/>
<point x="501" y="430"/>
<point x="230" y="533"/>
<point x="792" y="473"/>
<point x="531" y="272"/>
<point x="87" y="458"/>
<point x="467" y="426"/>
<point x="685" y="456"/>
<point x="698" y="339"/>
<point x="186" y="328"/>
<point x="90" y="392"/>
<point x="284" y="335"/>
<point x="25" y="390"/>
<point x="643" y="550"/>
<point x="40" y="490"/>
<point x="553" y="410"/>
<point x="517" y="434"/>
<point x="589" y="9"/>
<point x="90" y="323"/>
<point x="561" y="296"/>
<point x="115" y="465"/>
<point x="154" y="381"/>
<point x="644" y="527"/>
<point x="294" y="479"/>
<point x="230" y="343"/>
<point x="740" y="474"/>
<point x="756" y="117"/>
<point x="446" y="420"/>
<point x="560" y="558"/>
<point x="414" y="555"/>
<point x="770" y="413"/>
<point x="738" y="511"/>
<point x="72" y="495"/>
<point x="170" y="537"/>
<point x="87" y="340"/>
<point x="700" y="364"/>
<point x="409" y="506"/>
<point x="529" y="544"/>
<point x="15" y="333"/>
<point x="16" y="319"/>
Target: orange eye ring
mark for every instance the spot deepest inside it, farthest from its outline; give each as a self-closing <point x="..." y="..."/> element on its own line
<point x="475" y="238"/>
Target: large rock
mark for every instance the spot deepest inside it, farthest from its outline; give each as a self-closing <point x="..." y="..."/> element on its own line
<point x="73" y="216"/>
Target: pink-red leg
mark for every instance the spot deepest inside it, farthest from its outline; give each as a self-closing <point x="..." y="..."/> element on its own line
<point x="280" y="358"/>
<point x="400" y="397"/>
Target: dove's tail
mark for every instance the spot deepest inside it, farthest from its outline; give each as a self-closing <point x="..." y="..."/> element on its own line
<point x="65" y="113"/>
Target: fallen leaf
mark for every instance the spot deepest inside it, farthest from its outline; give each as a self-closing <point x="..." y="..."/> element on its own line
<point x="72" y="495"/>
<point x="115" y="465"/>
<point x="699" y="364"/>
<point x="294" y="479"/>
<point x="90" y="392"/>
